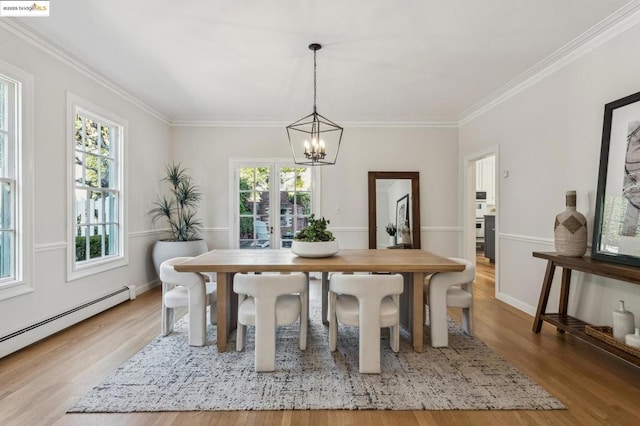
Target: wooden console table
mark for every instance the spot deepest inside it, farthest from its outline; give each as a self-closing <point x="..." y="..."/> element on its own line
<point x="567" y="323"/>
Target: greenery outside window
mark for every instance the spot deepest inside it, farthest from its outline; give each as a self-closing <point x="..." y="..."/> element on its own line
<point x="97" y="201"/>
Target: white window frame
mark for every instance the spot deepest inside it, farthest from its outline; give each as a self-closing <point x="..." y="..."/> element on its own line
<point x="275" y="164"/>
<point x="76" y="270"/>
<point x="20" y="114"/>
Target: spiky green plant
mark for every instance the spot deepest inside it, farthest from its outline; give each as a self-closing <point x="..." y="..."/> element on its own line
<point x="179" y="209"/>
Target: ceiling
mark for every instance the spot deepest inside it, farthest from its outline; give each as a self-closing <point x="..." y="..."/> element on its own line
<point x="240" y="61"/>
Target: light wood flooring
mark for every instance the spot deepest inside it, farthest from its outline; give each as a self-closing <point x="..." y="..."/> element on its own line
<point x="39" y="383"/>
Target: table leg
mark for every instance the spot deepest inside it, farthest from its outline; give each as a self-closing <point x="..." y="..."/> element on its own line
<point x="223" y="306"/>
<point x="544" y="296"/>
<point x="325" y="293"/>
<point x="565" y="286"/>
<point x="417" y="332"/>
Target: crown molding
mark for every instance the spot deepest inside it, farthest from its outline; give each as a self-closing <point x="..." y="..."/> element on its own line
<point x="615" y="24"/>
<point x="350" y="124"/>
<point x="35" y="39"/>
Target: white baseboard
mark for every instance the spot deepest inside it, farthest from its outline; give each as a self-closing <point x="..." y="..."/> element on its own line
<point x="518" y="304"/>
<point x="29" y="335"/>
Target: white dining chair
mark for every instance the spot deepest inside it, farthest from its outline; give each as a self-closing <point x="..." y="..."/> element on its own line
<point x="266" y="301"/>
<point x="369" y="302"/>
<point x="449" y="289"/>
<point x="187" y="289"/>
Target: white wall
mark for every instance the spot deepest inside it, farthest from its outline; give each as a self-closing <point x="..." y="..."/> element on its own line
<point x="549" y="137"/>
<point x="148" y="150"/>
<point x="431" y="151"/>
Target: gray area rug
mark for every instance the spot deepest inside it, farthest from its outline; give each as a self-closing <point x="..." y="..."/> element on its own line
<point x="169" y="375"/>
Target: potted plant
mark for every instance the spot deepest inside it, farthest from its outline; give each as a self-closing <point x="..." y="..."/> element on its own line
<point x="315" y="240"/>
<point x="391" y="230"/>
<point x="179" y="209"/>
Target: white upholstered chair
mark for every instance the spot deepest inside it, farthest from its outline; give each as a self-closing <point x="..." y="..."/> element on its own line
<point x="187" y="289"/>
<point x="449" y="289"/>
<point x="369" y="302"/>
<point x="266" y="301"/>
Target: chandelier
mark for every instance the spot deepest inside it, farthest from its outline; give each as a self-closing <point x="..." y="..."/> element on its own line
<point x="314" y="139"/>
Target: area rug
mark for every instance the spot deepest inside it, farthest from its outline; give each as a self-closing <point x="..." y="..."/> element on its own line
<point x="169" y="375"/>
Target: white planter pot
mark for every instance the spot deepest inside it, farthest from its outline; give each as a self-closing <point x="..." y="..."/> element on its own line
<point x="316" y="249"/>
<point x="164" y="250"/>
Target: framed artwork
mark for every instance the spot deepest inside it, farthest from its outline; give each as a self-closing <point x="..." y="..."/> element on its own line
<point x="402" y="212"/>
<point x="616" y="229"/>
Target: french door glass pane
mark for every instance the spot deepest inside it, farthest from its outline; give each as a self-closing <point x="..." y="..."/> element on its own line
<point x="295" y="201"/>
<point x="254" y="207"/>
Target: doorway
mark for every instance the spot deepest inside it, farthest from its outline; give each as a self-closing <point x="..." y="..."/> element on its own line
<point x="481" y="209"/>
<point x="271" y="202"/>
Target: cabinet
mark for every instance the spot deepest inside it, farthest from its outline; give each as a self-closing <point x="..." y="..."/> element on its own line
<point x="490" y="237"/>
<point x="485" y="178"/>
<point x="569" y="324"/>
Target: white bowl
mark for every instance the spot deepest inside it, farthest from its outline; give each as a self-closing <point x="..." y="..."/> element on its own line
<point x="314" y="249"/>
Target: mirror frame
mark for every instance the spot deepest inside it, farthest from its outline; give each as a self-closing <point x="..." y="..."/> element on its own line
<point x="415" y="204"/>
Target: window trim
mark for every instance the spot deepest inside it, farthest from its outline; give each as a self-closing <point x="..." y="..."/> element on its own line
<point x="91" y="267"/>
<point x="24" y="171"/>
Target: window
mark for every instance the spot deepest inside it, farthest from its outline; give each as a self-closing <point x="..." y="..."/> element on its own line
<point x="97" y="206"/>
<point x="8" y="145"/>
<point x="16" y="255"/>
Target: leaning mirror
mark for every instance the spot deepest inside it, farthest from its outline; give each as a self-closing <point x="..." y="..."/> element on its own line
<point x="394" y="199"/>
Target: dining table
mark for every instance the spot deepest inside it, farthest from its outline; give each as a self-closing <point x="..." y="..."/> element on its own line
<point x="414" y="264"/>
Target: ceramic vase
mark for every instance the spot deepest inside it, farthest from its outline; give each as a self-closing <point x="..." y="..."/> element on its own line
<point x="633" y="340"/>
<point x="167" y="249"/>
<point x="570" y="229"/>
<point x="392" y="240"/>
<point x="623" y="323"/>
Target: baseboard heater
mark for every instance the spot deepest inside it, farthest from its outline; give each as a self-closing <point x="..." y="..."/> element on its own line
<point x="38" y="331"/>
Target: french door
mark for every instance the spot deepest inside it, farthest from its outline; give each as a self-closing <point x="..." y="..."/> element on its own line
<point x="272" y="201"/>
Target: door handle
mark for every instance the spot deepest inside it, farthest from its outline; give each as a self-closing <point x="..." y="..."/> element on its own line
<point x="271" y="230"/>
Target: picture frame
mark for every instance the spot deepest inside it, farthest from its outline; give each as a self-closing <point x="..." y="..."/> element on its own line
<point x="402" y="212"/>
<point x="616" y="236"/>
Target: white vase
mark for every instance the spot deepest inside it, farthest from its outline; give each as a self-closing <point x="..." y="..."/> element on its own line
<point x="633" y="340"/>
<point x="392" y="240"/>
<point x="623" y="323"/>
<point x="165" y="249"/>
<point x="314" y="249"/>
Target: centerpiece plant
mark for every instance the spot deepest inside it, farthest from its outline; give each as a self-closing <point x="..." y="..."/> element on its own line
<point x="315" y="231"/>
<point x="315" y="240"/>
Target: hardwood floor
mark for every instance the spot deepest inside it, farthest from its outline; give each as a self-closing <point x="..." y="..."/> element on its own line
<point x="39" y="383"/>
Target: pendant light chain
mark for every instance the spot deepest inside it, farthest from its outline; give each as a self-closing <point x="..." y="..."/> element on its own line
<point x="314" y="81"/>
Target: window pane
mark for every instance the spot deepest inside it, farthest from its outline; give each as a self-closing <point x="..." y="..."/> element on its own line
<point x="96" y="208"/>
<point x="247" y="178"/>
<point x="106" y="166"/>
<point x="6" y="254"/>
<point x="78" y="169"/>
<point x="79" y="132"/>
<point x="3" y="106"/>
<point x="5" y="205"/>
<point x="303" y="203"/>
<point x="81" y="207"/>
<point x="3" y="153"/>
<point x="110" y="207"/>
<point x="91" y="136"/>
<point x="111" y="240"/>
<point x="96" y="242"/>
<point x="91" y="167"/>
<point x="303" y="179"/>
<point x="81" y="243"/>
<point x="287" y="179"/>
<point x="105" y="142"/>
<point x="262" y="179"/>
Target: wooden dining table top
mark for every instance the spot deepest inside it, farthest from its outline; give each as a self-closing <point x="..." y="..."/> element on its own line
<point x="346" y="260"/>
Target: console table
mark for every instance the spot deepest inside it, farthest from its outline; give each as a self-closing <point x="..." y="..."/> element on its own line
<point x="561" y="320"/>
